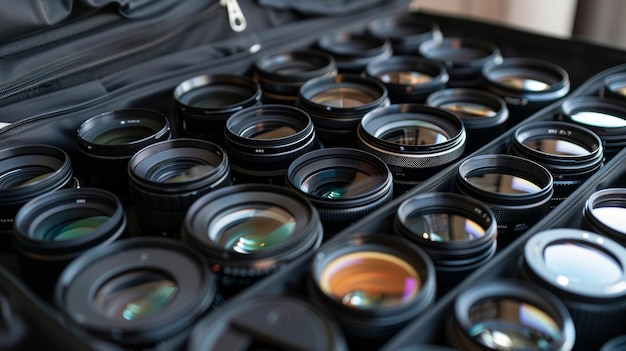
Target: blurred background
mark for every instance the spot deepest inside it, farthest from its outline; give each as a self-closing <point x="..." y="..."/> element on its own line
<point x="601" y="21"/>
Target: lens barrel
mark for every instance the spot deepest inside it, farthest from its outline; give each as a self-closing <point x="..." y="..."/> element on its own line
<point x="516" y="189"/>
<point x="108" y="140"/>
<point x="281" y="75"/>
<point x="484" y="114"/>
<point x="343" y="184"/>
<point x="26" y="172"/>
<point x="262" y="141"/>
<point x="405" y="32"/>
<point x="408" y="79"/>
<point x="271" y="322"/>
<point x="604" y="116"/>
<point x="510" y="315"/>
<point x="204" y="103"/>
<point x="570" y="152"/>
<point x="457" y="232"/>
<point x="587" y="271"/>
<point x="248" y="231"/>
<point x="352" y="51"/>
<point x="54" y="228"/>
<point x="464" y="58"/>
<point x="605" y="213"/>
<point x="527" y="85"/>
<point x="136" y="292"/>
<point x="374" y="284"/>
<point x="414" y="140"/>
<point x="166" y="177"/>
<point x="337" y="104"/>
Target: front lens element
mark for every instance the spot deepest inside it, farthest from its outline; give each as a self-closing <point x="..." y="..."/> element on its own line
<point x="75" y="228"/>
<point x="340" y="183"/>
<point x="445" y="227"/>
<point x="524" y="83"/>
<point x="578" y="263"/>
<point x="501" y="183"/>
<point x="468" y="109"/>
<point x="598" y="119"/>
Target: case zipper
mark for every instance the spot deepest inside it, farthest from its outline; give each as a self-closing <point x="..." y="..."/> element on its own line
<point x="236" y="19"/>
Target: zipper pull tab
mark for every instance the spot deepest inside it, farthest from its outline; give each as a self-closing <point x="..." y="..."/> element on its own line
<point x="236" y="19"/>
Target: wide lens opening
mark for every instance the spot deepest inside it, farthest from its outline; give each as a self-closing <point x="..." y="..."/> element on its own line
<point x="340" y="183"/>
<point x="135" y="294"/>
<point x="503" y="323"/>
<point x="252" y="228"/>
<point x="414" y="133"/>
<point x="502" y="183"/>
<point x="370" y="279"/>
<point x="344" y="97"/>
<point x="444" y="226"/>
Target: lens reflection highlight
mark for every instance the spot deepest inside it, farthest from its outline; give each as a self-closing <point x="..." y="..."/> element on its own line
<point x="442" y="227"/>
<point x="468" y="109"/>
<point x="523" y="83"/>
<point x="340" y="183"/>
<point x="343" y="97"/>
<point x="613" y="217"/>
<point x="598" y="119"/>
<point x="503" y="184"/>
<point x="557" y="147"/>
<point x="370" y="279"/>
<point x="405" y="78"/>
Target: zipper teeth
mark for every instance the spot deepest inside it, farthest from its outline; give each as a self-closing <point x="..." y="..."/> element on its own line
<point x="106" y="52"/>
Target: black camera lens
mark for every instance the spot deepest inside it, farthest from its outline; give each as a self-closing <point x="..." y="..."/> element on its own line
<point x="26" y="172"/>
<point x="281" y="75"/>
<point x="204" y="103"/>
<point x="248" y="231"/>
<point x="618" y="343"/>
<point x="107" y="142"/>
<point x="408" y="79"/>
<point x="484" y="114"/>
<point x="414" y="140"/>
<point x="570" y="152"/>
<point x="352" y="51"/>
<point x="337" y="104"/>
<point x="604" y="116"/>
<point x="510" y="315"/>
<point x="615" y="86"/>
<point x="166" y="177"/>
<point x="464" y="58"/>
<point x="603" y="213"/>
<point x="516" y="189"/>
<point x="457" y="232"/>
<point x="374" y="284"/>
<point x="405" y="31"/>
<point x="54" y="228"/>
<point x="527" y="85"/>
<point x="136" y="291"/>
<point x="343" y="184"/>
<point x="262" y="141"/>
<point x="588" y="272"/>
<point x="270" y="322"/>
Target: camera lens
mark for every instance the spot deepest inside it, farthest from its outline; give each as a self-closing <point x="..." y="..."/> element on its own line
<point x="570" y="152"/>
<point x="587" y="271"/>
<point x="527" y="85"/>
<point x="603" y="213"/>
<point x="262" y="141"/>
<point x="136" y="291"/>
<point x="405" y="32"/>
<point x="604" y="116"/>
<point x="510" y="315"/>
<point x="26" y="172"/>
<point x="374" y="284"/>
<point x="464" y="58"/>
<point x="517" y="190"/>
<point x="457" y="232"/>
<point x="343" y="184"/>
<point x="484" y="114"/>
<point x="166" y="177"/>
<point x="408" y="79"/>
<point x="271" y="322"/>
<point x="615" y="86"/>
<point x="337" y="104"/>
<point x="414" y="140"/>
<point x="204" y="103"/>
<point x="107" y="142"/>
<point x="248" y="231"/>
<point x="616" y="344"/>
<point x="54" y="228"/>
<point x="281" y="75"/>
<point x="352" y="51"/>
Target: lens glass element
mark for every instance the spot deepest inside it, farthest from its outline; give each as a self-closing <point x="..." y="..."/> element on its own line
<point x="180" y="172"/>
<point x="524" y="83"/>
<point x="557" y="147"/>
<point x="370" y="279"/>
<point x="135" y="294"/>
<point x="343" y="97"/>
<point x="340" y="183"/>
<point x="123" y="135"/>
<point x="580" y="263"/>
<point x="405" y="78"/>
<point x="598" y="119"/>
<point x="444" y="227"/>
<point x="412" y="133"/>
<point x="74" y="228"/>
<point x="510" y="324"/>
<point x="613" y="217"/>
<point x="469" y="109"/>
<point x="503" y="183"/>
<point x="252" y="228"/>
<point x="268" y="131"/>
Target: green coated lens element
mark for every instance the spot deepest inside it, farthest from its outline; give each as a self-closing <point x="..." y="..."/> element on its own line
<point x="252" y="229"/>
<point x="510" y="324"/>
<point x="72" y="229"/>
<point x="135" y="294"/>
<point x="445" y="227"/>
